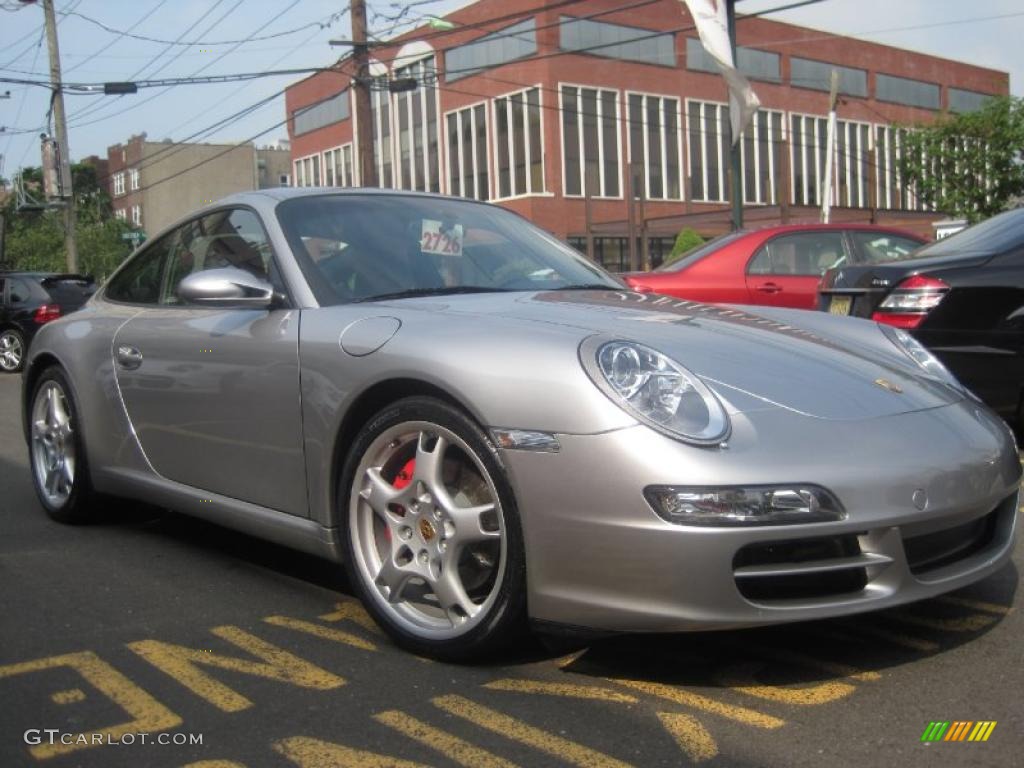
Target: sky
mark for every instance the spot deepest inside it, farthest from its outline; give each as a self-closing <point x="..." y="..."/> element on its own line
<point x="985" y="32"/>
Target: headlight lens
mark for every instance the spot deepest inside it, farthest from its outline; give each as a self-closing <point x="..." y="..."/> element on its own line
<point x="925" y="360"/>
<point x="658" y="391"/>
<point x="739" y="506"/>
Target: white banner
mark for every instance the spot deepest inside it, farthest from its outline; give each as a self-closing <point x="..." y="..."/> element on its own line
<point x="713" y="27"/>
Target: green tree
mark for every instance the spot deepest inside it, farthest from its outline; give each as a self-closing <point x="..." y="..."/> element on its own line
<point x="34" y="239"/>
<point x="968" y="165"/>
<point x="686" y="241"/>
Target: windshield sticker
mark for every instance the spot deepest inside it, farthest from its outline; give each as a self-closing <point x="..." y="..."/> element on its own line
<point x="441" y="238"/>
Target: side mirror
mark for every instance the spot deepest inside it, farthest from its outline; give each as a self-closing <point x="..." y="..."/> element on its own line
<point x="226" y="287"/>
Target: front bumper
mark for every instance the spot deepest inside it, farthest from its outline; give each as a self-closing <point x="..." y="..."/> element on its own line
<point x="599" y="557"/>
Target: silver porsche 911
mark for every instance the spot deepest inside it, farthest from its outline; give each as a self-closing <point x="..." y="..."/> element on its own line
<point x="487" y="429"/>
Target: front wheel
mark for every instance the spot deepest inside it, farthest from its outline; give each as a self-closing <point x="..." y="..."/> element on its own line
<point x="432" y="537"/>
<point x="56" y="450"/>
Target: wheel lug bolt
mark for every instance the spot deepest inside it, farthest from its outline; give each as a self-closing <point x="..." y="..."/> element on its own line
<point x="442" y="545"/>
<point x="415" y="506"/>
<point x="423" y="557"/>
<point x="437" y="513"/>
<point x="405" y="532"/>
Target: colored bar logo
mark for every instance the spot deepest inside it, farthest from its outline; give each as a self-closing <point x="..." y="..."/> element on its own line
<point x="958" y="730"/>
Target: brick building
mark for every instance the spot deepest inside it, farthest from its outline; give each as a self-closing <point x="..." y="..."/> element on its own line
<point x="153" y="183"/>
<point x="546" y="107"/>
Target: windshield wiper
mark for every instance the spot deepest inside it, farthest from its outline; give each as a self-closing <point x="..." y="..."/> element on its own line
<point x="410" y="293"/>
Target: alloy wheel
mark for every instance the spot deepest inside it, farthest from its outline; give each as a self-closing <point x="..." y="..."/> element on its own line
<point x="53" y="444"/>
<point x="427" y="529"/>
<point x="12" y="350"/>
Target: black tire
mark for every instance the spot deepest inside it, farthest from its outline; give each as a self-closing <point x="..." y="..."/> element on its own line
<point x="501" y="621"/>
<point x="78" y="505"/>
<point x="12" y="350"/>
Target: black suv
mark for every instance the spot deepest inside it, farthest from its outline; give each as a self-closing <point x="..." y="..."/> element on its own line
<point x="30" y="299"/>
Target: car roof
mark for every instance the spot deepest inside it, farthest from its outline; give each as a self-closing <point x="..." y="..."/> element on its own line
<point x="779" y="229"/>
<point x="287" y="193"/>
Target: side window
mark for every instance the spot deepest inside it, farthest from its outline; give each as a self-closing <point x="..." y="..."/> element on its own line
<point x="139" y="281"/>
<point x="20" y="292"/>
<point x="804" y="254"/>
<point x="3" y="297"/>
<point x="227" y="238"/>
<point x="880" y="247"/>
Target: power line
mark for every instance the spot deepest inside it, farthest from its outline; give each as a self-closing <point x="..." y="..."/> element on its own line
<point x="321" y="25"/>
<point x="102" y="48"/>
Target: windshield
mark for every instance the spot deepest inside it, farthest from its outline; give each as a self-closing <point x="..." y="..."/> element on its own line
<point x="365" y="247"/>
<point x="696" y="254"/>
<point x="999" y="234"/>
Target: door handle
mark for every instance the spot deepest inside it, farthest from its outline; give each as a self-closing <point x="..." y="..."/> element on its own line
<point x="769" y="288"/>
<point x="128" y="357"/>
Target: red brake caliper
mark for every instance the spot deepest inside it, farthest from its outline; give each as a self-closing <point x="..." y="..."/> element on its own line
<point x="402" y="480"/>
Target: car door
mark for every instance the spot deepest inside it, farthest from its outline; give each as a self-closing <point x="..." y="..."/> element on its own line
<point x="213" y="393"/>
<point x="786" y="270"/>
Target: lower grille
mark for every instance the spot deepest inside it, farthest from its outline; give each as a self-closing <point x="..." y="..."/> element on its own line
<point x="803" y="568"/>
<point x="932" y="551"/>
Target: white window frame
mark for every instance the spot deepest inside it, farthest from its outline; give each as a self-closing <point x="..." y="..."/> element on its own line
<point x="121" y="213"/>
<point x="600" y="140"/>
<point x="133" y="179"/>
<point x="304" y="176"/>
<point x="723" y="170"/>
<point x="772" y="169"/>
<point x="119" y="183"/>
<point x="511" y="144"/>
<point x="471" y="108"/>
<point x="337" y="170"/>
<point x="680" y="127"/>
<point x="137" y="215"/>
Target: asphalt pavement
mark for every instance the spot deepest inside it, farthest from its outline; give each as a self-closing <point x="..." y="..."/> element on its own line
<point x="152" y="639"/>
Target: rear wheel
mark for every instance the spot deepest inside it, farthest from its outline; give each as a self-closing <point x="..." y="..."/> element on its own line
<point x="12" y="350"/>
<point x="432" y="538"/>
<point x="56" y="451"/>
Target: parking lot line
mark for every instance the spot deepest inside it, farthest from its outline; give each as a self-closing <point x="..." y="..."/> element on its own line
<point x="455" y="749"/>
<point x="510" y="727"/>
<point x="704" y="703"/>
<point x="977" y="605"/>
<point x="324" y="633"/>
<point x="148" y="714"/>
<point x="832" y="667"/>
<point x="972" y="623"/>
<point x="692" y="737"/>
<point x="313" y="753"/>
<point x="905" y="641"/>
<point x="567" y="690"/>
<point x="276" y="664"/>
<point x="352" y="611"/>
<point x="742" y="678"/>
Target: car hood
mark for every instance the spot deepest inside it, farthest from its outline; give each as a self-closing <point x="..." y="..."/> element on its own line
<point x="752" y="360"/>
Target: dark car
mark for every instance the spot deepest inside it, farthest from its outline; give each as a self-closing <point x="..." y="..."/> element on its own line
<point x="962" y="297"/>
<point x="29" y="300"/>
<point x="777" y="266"/>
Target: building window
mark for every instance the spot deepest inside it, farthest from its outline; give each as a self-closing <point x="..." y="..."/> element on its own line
<point x="851" y="161"/>
<point x="137" y="215"/>
<point x="817" y="75"/>
<point x="118" y="184"/>
<point x="590" y="141"/>
<point x="901" y="90"/>
<point x="121" y="213"/>
<point x="761" y="156"/>
<point x="890" y="189"/>
<point x="612" y="253"/>
<point x="307" y="171"/>
<point x="655" y="145"/>
<point x="707" y="126"/>
<point x="327" y="112"/>
<point x="760" y="65"/>
<point x="133" y="178"/>
<point x="467" y="132"/>
<point x="509" y="44"/>
<point x="519" y="149"/>
<point x="284" y="180"/>
<point x="380" y="113"/>
<point x="417" y="128"/>
<point x="337" y="166"/>
<point x="617" y="42"/>
<point x="967" y="101"/>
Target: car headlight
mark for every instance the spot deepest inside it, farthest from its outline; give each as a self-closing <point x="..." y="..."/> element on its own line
<point x="656" y="390"/>
<point x="925" y="360"/>
<point x="739" y="506"/>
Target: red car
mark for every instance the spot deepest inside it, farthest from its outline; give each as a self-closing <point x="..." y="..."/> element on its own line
<point x="778" y="266"/>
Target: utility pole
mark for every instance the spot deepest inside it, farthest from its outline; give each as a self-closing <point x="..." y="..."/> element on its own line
<point x="830" y="144"/>
<point x="361" y="83"/>
<point x="64" y="151"/>
<point x="735" y="148"/>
